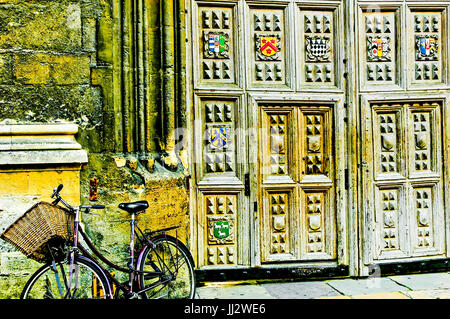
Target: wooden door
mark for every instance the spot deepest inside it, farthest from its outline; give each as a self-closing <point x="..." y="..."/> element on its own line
<point x="296" y="179"/>
<point x="404" y="117"/>
<point x="267" y="114"/>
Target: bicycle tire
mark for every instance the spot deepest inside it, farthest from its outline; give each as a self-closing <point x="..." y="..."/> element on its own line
<point x="184" y="283"/>
<point x="43" y="283"/>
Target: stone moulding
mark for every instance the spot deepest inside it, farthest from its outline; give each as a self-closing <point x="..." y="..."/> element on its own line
<point x="31" y="144"/>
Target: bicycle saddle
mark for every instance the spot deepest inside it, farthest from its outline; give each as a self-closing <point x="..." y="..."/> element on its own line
<point x="134" y="207"/>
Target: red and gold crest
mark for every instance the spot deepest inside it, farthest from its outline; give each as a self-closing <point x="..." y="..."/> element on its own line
<point x="269" y="46"/>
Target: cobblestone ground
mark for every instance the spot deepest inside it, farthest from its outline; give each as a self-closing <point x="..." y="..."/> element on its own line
<point x="418" y="286"/>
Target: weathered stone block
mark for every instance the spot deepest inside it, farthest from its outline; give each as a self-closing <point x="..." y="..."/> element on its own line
<point x="49" y="25"/>
<point x="60" y="69"/>
<point x="32" y="69"/>
<point x="81" y="104"/>
<point x="89" y="34"/>
<point x="105" y="40"/>
<point x="70" y="69"/>
<point x="120" y="161"/>
<point x="6" y="69"/>
<point x="11" y="286"/>
<point x="16" y="263"/>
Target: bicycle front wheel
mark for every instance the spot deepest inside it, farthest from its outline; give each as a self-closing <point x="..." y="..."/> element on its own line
<point x="88" y="282"/>
<point x="170" y="257"/>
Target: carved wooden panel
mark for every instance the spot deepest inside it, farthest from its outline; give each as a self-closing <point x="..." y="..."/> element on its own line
<point x="297" y="184"/>
<point x="426" y="47"/>
<point x="316" y="136"/>
<point x="390" y="239"/>
<point x="388" y="140"/>
<point x="216" y="45"/>
<point x="425" y="133"/>
<point x="277" y="124"/>
<point x="379" y="51"/>
<point x="317" y="48"/>
<point x="278" y="144"/>
<point x="278" y="228"/>
<point x="388" y="136"/>
<point x="218" y="139"/>
<point x="407" y="179"/>
<point x="314" y="150"/>
<point x="422" y="141"/>
<point x="219" y="147"/>
<point x="315" y="206"/>
<point x="423" y="234"/>
<point x="390" y="210"/>
<point x="267" y="47"/>
<point x="220" y="214"/>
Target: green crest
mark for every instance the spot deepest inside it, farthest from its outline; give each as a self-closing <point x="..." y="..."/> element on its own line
<point x="221" y="229"/>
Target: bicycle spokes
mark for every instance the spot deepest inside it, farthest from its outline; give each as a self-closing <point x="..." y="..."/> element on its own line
<point x="176" y="272"/>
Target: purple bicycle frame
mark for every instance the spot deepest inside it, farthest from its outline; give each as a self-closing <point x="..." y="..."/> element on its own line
<point x="88" y="257"/>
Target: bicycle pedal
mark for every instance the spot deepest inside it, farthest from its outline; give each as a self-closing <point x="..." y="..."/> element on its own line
<point x="133" y="295"/>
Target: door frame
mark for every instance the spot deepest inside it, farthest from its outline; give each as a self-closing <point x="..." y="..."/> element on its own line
<point x="366" y="262"/>
<point x="343" y="96"/>
<point x="341" y="159"/>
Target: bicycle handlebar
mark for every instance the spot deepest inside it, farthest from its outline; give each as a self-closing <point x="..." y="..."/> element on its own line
<point x="56" y="191"/>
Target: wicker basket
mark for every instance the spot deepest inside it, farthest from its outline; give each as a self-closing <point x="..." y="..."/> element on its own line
<point x="41" y="224"/>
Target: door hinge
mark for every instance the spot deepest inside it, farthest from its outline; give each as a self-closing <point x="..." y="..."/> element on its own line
<point x="346" y="179"/>
<point x="247" y="184"/>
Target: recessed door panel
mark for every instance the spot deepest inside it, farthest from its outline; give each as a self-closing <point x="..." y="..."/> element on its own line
<point x="296" y="184"/>
<point x="404" y="180"/>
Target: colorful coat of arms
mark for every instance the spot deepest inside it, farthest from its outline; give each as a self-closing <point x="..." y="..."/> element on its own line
<point x="378" y="49"/>
<point x="427" y="47"/>
<point x="220" y="229"/>
<point x="216" y="45"/>
<point x="268" y="47"/>
<point x="219" y="137"/>
<point x="318" y="49"/>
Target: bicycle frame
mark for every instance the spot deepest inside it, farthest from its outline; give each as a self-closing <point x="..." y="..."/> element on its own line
<point x="132" y="283"/>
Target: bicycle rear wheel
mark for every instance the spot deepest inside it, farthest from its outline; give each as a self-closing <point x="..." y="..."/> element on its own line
<point x="88" y="282"/>
<point x="174" y="260"/>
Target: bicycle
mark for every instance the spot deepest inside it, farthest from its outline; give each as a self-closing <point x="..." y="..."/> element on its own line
<point x="164" y="267"/>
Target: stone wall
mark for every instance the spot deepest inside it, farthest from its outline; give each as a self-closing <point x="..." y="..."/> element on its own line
<point x="75" y="61"/>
